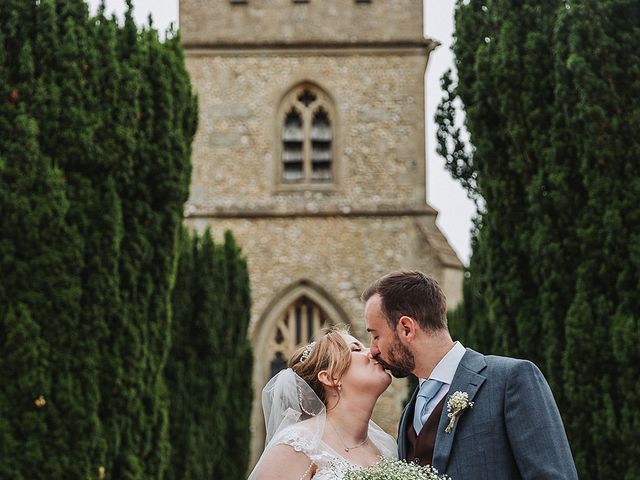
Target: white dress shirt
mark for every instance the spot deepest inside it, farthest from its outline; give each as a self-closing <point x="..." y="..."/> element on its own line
<point x="444" y="372"/>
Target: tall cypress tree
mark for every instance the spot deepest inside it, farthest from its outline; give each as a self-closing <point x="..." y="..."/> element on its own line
<point x="604" y="314"/>
<point x="239" y="403"/>
<point x="77" y="154"/>
<point x="195" y="370"/>
<point x="165" y="128"/>
<point x="156" y="119"/>
<point x="506" y="88"/>
<point x="554" y="83"/>
<point x="209" y="368"/>
<point x="40" y="287"/>
<point x="97" y="122"/>
<point x="181" y="360"/>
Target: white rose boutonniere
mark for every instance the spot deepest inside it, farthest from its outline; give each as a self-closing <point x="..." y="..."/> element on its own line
<point x="457" y="403"/>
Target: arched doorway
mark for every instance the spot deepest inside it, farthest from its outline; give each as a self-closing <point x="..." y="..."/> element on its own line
<point x="291" y="320"/>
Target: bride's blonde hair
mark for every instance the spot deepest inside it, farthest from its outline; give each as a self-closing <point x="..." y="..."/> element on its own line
<point x="330" y="352"/>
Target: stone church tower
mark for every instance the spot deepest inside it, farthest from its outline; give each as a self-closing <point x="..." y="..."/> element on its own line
<point x="311" y="149"/>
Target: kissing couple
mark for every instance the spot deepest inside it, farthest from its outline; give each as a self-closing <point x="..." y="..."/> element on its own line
<point x="472" y="416"/>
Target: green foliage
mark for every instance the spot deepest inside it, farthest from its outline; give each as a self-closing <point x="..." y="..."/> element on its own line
<point x="239" y="355"/>
<point x="412" y="384"/>
<point x="39" y="295"/>
<point x="550" y="94"/>
<point x="209" y="368"/>
<point x="96" y="124"/>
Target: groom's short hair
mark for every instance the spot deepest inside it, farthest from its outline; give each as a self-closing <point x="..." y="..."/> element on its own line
<point x="412" y="294"/>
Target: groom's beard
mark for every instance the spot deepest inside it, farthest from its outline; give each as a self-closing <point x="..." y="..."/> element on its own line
<point x="401" y="360"/>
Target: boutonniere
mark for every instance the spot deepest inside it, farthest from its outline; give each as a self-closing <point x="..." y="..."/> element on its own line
<point x="457" y="403"/>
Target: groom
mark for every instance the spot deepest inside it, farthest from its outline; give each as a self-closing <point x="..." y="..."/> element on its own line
<point x="507" y="425"/>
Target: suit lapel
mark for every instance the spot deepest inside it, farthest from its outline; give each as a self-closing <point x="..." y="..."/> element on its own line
<point x="467" y="379"/>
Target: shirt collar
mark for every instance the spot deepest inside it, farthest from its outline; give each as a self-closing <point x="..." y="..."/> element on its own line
<point x="446" y="368"/>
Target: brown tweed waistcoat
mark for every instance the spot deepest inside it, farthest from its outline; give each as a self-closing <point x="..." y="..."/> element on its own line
<point x="420" y="447"/>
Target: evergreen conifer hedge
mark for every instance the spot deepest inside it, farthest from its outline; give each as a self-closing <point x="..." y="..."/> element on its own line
<point x="210" y="364"/>
<point x="96" y="125"/>
<point x="550" y="91"/>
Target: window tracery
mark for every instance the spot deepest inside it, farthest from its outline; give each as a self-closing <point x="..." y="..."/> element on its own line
<point x="307" y="138"/>
<point x="297" y="326"/>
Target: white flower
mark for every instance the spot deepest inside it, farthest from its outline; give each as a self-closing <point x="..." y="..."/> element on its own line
<point x="391" y="469"/>
<point x="457" y="403"/>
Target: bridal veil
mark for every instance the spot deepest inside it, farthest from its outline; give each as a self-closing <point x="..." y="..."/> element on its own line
<point x="294" y="415"/>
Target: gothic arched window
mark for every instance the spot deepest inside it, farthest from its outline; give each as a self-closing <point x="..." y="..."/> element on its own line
<point x="307" y="143"/>
<point x="296" y="327"/>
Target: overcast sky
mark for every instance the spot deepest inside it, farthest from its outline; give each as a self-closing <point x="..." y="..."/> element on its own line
<point x="443" y="193"/>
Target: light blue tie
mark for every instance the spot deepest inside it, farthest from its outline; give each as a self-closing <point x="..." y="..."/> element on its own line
<point x="428" y="390"/>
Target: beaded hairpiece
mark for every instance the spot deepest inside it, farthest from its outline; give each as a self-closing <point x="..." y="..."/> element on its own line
<point x="307" y="351"/>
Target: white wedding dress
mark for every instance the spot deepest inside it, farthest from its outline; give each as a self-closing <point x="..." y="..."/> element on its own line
<point x="330" y="465"/>
<point x="295" y="416"/>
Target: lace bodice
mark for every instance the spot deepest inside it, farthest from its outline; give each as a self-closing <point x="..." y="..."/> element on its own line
<point x="329" y="464"/>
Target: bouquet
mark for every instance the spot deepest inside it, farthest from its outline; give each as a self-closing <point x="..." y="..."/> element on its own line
<point x="392" y="469"/>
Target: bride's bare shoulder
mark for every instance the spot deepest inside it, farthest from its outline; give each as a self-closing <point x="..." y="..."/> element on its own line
<point x="283" y="461"/>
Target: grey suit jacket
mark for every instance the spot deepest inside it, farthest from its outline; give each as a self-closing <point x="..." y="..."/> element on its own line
<point x="514" y="430"/>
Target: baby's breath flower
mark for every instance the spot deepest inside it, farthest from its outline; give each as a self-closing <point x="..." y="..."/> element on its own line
<point x="457" y="403"/>
<point x="391" y="469"/>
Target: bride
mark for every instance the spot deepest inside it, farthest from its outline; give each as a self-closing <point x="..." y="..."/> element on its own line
<point x="318" y="412"/>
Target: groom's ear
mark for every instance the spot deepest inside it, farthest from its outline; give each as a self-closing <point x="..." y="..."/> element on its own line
<point x="406" y="328"/>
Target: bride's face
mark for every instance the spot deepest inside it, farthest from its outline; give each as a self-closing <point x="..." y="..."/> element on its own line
<point x="364" y="373"/>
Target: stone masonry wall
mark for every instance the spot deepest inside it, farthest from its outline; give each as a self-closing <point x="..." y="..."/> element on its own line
<point x="379" y="130"/>
<point x="220" y="22"/>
